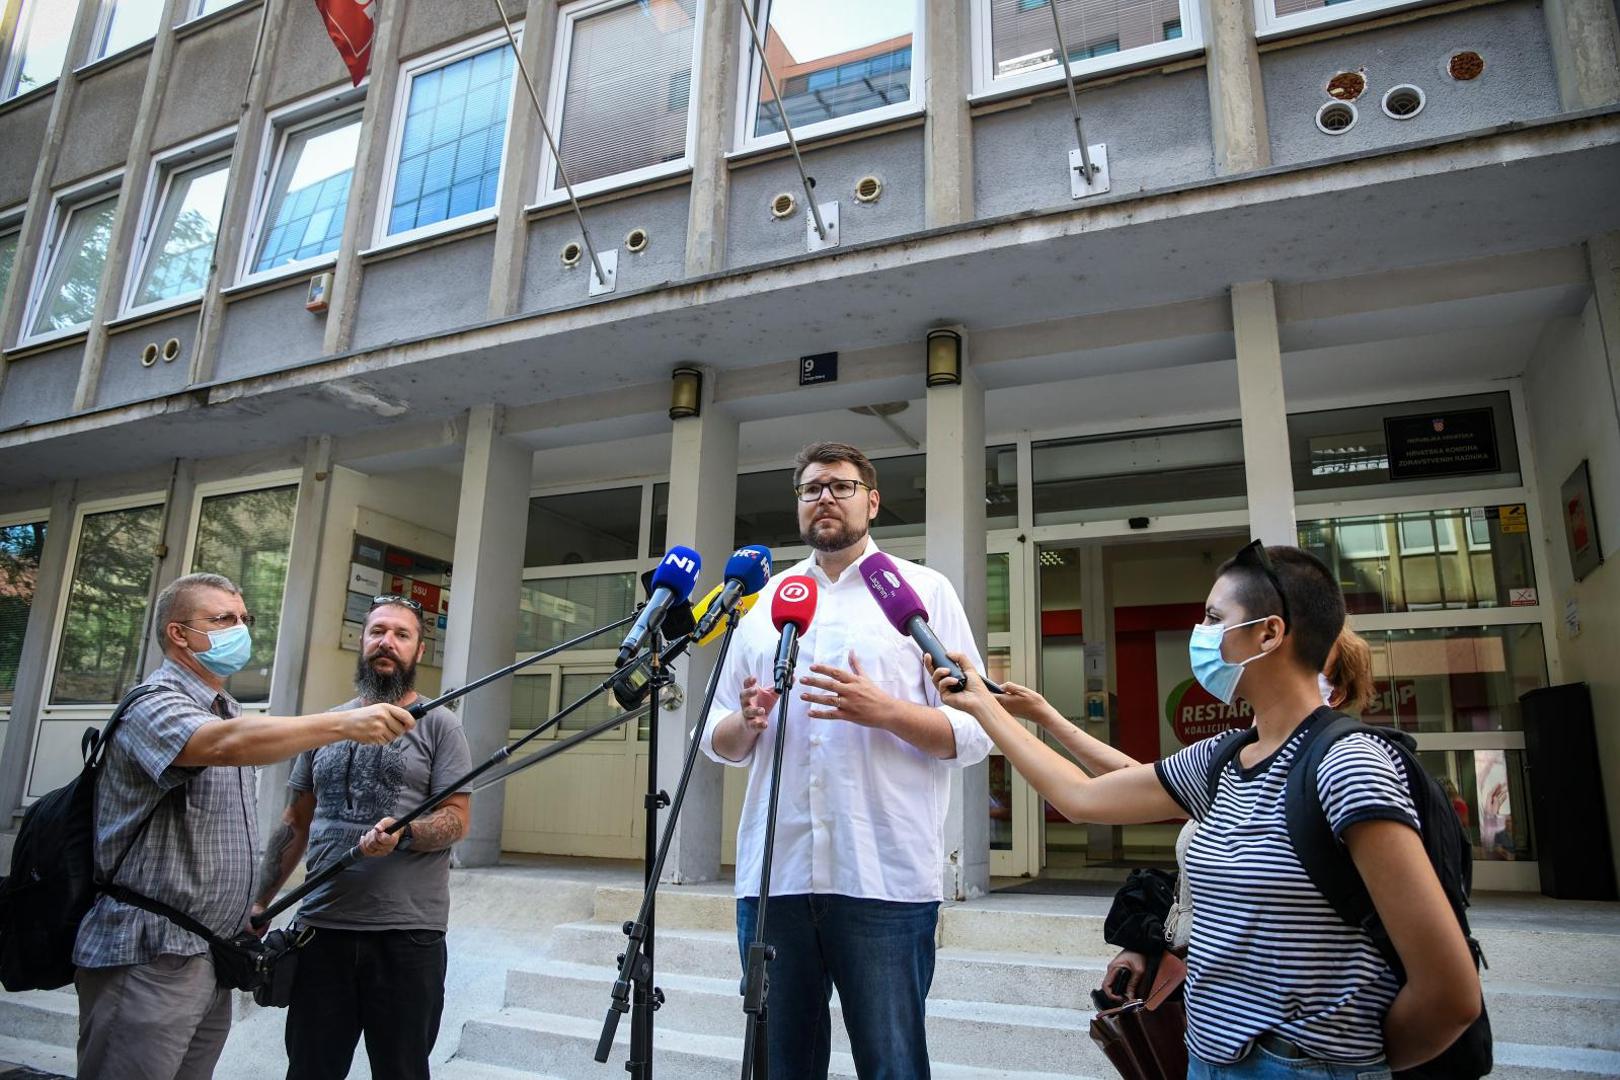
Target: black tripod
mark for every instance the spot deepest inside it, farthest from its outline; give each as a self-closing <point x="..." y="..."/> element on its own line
<point x="756" y="979"/>
<point x="636" y="962"/>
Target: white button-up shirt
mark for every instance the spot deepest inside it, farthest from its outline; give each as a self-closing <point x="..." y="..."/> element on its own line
<point x="862" y="811"/>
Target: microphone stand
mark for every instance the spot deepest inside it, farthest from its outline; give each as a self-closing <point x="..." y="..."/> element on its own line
<point x="433" y="802"/>
<point x="648" y="997"/>
<point x="635" y="964"/>
<point x="756" y="981"/>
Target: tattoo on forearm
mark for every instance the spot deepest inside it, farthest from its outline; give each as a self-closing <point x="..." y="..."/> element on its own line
<point x="280" y="859"/>
<point x="436" y="831"/>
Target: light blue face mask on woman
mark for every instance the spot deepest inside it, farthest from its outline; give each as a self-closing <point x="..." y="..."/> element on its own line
<point x="229" y="650"/>
<point x="1213" y="671"/>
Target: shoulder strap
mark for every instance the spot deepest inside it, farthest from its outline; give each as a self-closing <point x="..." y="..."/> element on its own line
<point x="96" y="749"/>
<point x="128" y="896"/>
<point x="1225" y="750"/>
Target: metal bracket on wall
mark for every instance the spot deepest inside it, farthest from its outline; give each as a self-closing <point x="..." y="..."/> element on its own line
<point x="814" y="240"/>
<point x="1097" y="183"/>
<point x="609" y="261"/>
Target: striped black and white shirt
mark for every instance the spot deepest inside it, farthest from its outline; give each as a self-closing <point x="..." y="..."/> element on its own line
<point x="1268" y="953"/>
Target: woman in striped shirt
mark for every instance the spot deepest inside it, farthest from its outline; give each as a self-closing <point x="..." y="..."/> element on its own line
<point x="1278" y="986"/>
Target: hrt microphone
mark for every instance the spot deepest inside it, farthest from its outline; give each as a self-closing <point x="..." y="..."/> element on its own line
<point x="747" y="571"/>
<point x="791" y="611"/>
<point x="745" y="604"/>
<point x="671" y="584"/>
<point x="905" y="611"/>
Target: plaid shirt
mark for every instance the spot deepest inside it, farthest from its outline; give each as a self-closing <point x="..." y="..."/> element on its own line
<point x="196" y="855"/>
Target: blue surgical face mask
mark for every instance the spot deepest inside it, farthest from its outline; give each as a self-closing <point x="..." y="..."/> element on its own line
<point x="1213" y="671"/>
<point x="229" y="650"/>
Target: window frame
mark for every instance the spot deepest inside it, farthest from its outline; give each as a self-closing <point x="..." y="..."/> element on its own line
<point x="64" y="204"/>
<point x="745" y="142"/>
<point x="106" y="10"/>
<point x="194" y="10"/>
<point x="567" y="16"/>
<point x="11" y="224"/>
<point x="381" y="238"/>
<point x="986" y="86"/>
<point x="213" y="489"/>
<point x="280" y="126"/>
<point x="15" y="57"/>
<point x="24" y="517"/>
<point x="1268" y="25"/>
<point x="160" y="176"/>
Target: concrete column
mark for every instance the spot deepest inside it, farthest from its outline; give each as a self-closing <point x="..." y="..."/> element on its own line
<point x="1585" y="40"/>
<point x="521" y="168"/>
<point x="955" y="536"/>
<point x="132" y="195"/>
<point x="360" y="220"/>
<point x="297" y="614"/>
<point x="703" y="515"/>
<point x="481" y="634"/>
<point x="1237" y="98"/>
<point x="239" y="192"/>
<point x="32" y="238"/>
<point x="948" y="140"/>
<point x="717" y="107"/>
<point x="1267" y="472"/>
<point x="1604" y="255"/>
<point x="32" y="677"/>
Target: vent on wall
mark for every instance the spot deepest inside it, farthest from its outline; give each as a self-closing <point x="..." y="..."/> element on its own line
<point x="783" y="205"/>
<point x="867" y="189"/>
<point x="1336" y="117"/>
<point x="1403" y="102"/>
<point x="636" y="240"/>
<point x="572" y="252"/>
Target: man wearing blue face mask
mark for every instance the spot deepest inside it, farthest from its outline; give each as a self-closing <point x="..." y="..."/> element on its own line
<point x="175" y="812"/>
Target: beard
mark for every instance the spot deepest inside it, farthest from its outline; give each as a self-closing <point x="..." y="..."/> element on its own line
<point x="845" y="535"/>
<point x="389" y="686"/>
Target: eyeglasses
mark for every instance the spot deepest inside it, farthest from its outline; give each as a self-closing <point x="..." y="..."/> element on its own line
<point x="1254" y="555"/>
<point x="394" y="598"/>
<point x="841" y="489"/>
<point x="222" y="621"/>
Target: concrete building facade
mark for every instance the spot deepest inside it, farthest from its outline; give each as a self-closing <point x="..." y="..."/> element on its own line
<point x="1347" y="276"/>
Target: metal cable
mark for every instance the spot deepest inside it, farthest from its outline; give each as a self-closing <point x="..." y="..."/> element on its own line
<point x="787" y="128"/>
<point x="1074" y="101"/>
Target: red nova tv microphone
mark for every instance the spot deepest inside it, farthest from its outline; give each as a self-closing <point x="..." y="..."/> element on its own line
<point x="905" y="611"/>
<point x="792" y="608"/>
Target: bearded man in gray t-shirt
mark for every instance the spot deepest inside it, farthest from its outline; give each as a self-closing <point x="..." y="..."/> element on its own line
<point x="375" y="963"/>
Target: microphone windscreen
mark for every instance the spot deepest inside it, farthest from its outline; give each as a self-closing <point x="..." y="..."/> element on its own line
<point x="794" y="602"/>
<point x="678" y="571"/>
<point x="751" y="565"/>
<point x="745" y="604"/>
<point x="897" y="599"/>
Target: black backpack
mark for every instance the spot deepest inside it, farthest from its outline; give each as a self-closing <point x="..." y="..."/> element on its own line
<point x="52" y="883"/>
<point x="1327" y="862"/>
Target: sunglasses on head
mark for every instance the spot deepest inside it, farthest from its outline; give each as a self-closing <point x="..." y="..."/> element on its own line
<point x="392" y="598"/>
<point x="1254" y="555"/>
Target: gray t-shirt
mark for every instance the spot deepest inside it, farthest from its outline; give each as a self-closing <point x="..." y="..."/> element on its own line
<point x="355" y="786"/>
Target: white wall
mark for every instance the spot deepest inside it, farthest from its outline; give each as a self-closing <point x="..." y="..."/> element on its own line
<point x="1573" y="416"/>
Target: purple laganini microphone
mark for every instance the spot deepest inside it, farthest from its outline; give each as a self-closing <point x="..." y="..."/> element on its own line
<point x="905" y="611"/>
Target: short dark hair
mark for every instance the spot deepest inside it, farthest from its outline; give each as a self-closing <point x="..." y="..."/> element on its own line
<point x="1315" y="601"/>
<point x="828" y="453"/>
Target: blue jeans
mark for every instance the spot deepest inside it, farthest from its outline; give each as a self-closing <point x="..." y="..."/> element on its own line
<point x="880" y="956"/>
<point x="1259" y="1064"/>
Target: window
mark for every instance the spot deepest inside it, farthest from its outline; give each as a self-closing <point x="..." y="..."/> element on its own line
<point x="1107" y="476"/>
<point x="587" y="527"/>
<point x="308" y="193"/>
<point x="99" y="654"/>
<point x="837" y="63"/>
<point x="10" y="236"/>
<point x="198" y="8"/>
<point x="1276" y="17"/>
<point x="124" y="23"/>
<point x="177" y="247"/>
<point x="247" y="536"/>
<point x="66" y="300"/>
<point x="617" y="62"/>
<point x="20" y="548"/>
<point x="1334" y="449"/>
<point x="1015" y="45"/>
<point x="552" y="610"/>
<point x="39" y="45"/>
<point x="447" y="162"/>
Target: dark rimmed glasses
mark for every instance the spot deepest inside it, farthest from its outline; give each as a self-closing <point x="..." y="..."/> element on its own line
<point x="841" y="489"/>
<point x="1254" y="555"/>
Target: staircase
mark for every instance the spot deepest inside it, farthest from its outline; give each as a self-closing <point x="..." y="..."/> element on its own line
<point x="1010" y="995"/>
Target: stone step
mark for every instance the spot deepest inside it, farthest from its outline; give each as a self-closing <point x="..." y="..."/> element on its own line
<point x="1533" y="956"/>
<point x="1012" y="930"/>
<point x="1579" y="1017"/>
<point x="44" y="1016"/>
<point x="709" y="953"/>
<point x="959" y="1032"/>
<point x="703" y="907"/>
<point x="44" y="1057"/>
<point x="564" y="1046"/>
<point x="1521" y="1061"/>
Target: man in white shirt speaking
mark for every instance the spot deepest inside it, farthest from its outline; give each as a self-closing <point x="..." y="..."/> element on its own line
<point x="859" y="854"/>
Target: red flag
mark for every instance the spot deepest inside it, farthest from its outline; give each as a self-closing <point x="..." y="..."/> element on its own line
<point x="351" y="24"/>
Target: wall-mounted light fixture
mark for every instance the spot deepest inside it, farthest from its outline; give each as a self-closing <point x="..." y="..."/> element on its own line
<point x="944" y="357"/>
<point x="685" y="393"/>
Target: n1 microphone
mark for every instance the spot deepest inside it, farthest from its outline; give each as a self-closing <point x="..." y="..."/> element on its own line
<point x="905" y="611"/>
<point x="701" y="609"/>
<point x="747" y="571"/>
<point x="671" y="584"/>
<point x="791" y="611"/>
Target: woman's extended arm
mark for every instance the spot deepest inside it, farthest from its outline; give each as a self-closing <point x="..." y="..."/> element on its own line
<point x="1094" y="755"/>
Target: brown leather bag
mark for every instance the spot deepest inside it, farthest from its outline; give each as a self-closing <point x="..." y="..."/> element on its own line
<point x="1146" y="1039"/>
